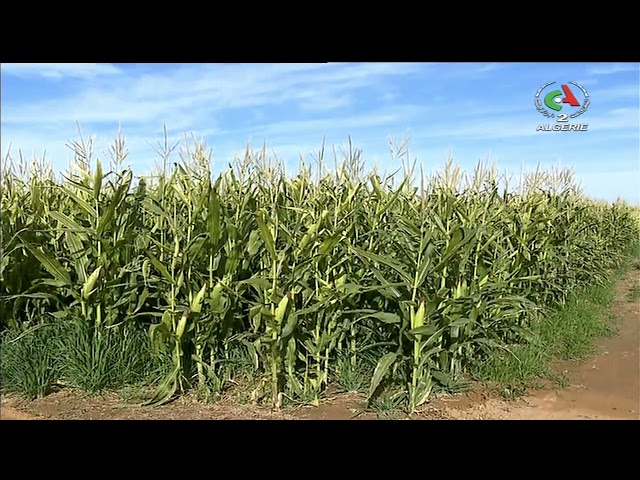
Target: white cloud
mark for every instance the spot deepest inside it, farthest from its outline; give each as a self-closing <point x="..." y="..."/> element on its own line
<point x="321" y="126"/>
<point x="615" y="93"/>
<point x="233" y="103"/>
<point x="324" y="102"/>
<point x="189" y="93"/>
<point x="58" y="71"/>
<point x="588" y="82"/>
<point x="525" y="126"/>
<point x="611" y="68"/>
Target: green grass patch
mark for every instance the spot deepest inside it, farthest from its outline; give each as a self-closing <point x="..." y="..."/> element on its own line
<point x="633" y="295"/>
<point x="95" y="359"/>
<point x="568" y="333"/>
<point x="28" y="362"/>
<point x="77" y="355"/>
<point x="391" y="403"/>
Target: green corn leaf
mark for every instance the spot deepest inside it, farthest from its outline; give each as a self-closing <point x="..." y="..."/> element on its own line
<point x="160" y="268"/>
<point x="97" y="180"/>
<point x="267" y="238"/>
<point x="49" y="262"/>
<point x="385" y="261"/>
<point x="381" y="370"/>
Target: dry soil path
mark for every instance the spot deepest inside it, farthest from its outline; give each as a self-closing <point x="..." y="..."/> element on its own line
<point x="607" y="386"/>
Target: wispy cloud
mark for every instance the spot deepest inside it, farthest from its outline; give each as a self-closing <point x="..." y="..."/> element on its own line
<point x="616" y="92"/>
<point x="345" y="123"/>
<point x="612" y="68"/>
<point x="58" y="71"/>
<point x="525" y="126"/>
<point x="194" y="91"/>
<point x="475" y="108"/>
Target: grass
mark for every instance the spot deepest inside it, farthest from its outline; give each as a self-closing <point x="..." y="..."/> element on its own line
<point x="633" y="295"/>
<point x="89" y="359"/>
<point x="351" y="378"/>
<point x="569" y="333"/>
<point x="390" y="404"/>
<point x="93" y="359"/>
<point x="28" y="362"/>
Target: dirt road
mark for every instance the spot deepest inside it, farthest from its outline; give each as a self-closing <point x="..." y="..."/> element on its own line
<point x="605" y="387"/>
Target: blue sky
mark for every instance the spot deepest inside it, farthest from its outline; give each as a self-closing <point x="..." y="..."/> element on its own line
<point x="476" y="111"/>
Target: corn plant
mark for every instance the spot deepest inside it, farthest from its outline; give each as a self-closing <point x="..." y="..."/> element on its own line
<point x="290" y="278"/>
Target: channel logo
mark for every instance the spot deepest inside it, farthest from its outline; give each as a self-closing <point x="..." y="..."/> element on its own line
<point x="563" y="102"/>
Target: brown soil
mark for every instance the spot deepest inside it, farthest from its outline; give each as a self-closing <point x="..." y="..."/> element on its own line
<point x="66" y="405"/>
<point x="605" y="387"/>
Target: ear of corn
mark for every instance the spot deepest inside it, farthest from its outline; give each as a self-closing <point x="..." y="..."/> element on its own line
<point x="292" y="272"/>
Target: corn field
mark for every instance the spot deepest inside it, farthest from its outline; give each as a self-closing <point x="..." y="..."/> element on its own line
<point x="296" y="277"/>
